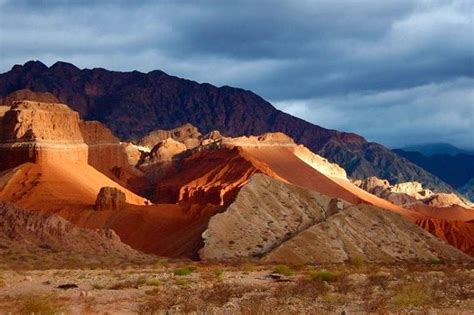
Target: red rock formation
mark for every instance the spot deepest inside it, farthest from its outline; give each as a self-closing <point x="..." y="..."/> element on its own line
<point x="459" y="234"/>
<point x="213" y="176"/>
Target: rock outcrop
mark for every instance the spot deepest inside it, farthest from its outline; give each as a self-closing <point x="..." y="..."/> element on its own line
<point x="40" y="132"/>
<point x="186" y="134"/>
<point x="109" y="198"/>
<point x="115" y="159"/>
<point x="409" y="194"/>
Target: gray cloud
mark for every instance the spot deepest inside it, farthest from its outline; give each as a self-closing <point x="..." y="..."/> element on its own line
<point x="354" y="62"/>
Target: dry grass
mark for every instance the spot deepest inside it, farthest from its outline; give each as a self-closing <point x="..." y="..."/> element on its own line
<point x="412" y="295"/>
<point x="40" y="304"/>
<point x="128" y="284"/>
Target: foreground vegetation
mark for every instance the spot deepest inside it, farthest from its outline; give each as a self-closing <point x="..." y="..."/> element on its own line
<point x="244" y="288"/>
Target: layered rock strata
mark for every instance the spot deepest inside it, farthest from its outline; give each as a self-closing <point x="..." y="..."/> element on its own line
<point x="40" y="132"/>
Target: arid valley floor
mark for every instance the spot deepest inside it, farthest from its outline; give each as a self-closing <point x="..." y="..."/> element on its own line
<point x="155" y="286"/>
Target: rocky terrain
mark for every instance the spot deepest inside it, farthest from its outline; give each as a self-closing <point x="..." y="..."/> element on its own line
<point x="410" y="193"/>
<point x="22" y="230"/>
<point x="132" y="104"/>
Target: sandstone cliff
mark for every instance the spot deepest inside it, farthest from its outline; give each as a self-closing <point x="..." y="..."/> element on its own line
<point x="46" y="132"/>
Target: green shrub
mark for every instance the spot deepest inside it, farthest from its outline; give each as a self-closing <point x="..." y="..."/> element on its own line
<point x="283" y="270"/>
<point x="436" y="262"/>
<point x="184" y="271"/>
<point x="322" y="275"/>
<point x="219" y="274"/>
<point x="128" y="284"/>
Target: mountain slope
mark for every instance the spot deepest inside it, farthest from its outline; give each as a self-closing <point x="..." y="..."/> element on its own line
<point x="133" y="104"/>
<point x="30" y="229"/>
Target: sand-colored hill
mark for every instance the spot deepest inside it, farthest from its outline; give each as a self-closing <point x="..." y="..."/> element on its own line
<point x="266" y="213"/>
<point x="367" y="233"/>
<point x="53" y="186"/>
<point x="294" y="225"/>
<point x="165" y="229"/>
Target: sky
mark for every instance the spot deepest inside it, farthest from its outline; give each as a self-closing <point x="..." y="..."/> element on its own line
<point x="396" y="72"/>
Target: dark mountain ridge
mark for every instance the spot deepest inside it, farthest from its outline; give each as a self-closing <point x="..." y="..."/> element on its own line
<point x="432" y="149"/>
<point x="456" y="170"/>
<point x="134" y="103"/>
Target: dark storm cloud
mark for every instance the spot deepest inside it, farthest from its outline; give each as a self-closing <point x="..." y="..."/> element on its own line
<point x="375" y="62"/>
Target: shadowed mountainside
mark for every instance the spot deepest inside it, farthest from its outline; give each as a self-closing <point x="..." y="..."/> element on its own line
<point x="132" y="104"/>
<point x="454" y="169"/>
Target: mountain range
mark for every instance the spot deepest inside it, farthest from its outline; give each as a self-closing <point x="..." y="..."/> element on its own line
<point x="207" y="196"/>
<point x="133" y="104"/>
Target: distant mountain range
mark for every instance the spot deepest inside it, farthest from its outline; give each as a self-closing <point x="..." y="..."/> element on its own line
<point x="132" y="104"/>
<point x="451" y="164"/>
<point x="431" y="149"/>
